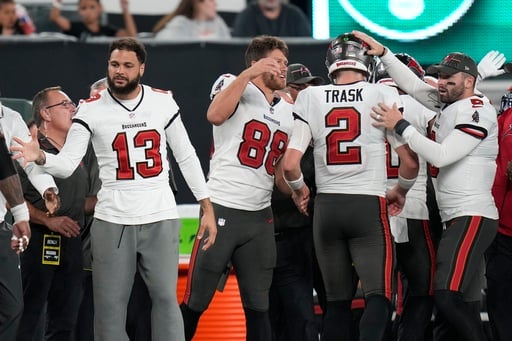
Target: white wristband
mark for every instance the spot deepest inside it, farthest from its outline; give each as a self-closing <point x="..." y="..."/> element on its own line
<point x="20" y="213"/>
<point x="57" y="4"/>
<point x="296" y="184"/>
<point x="405" y="183"/>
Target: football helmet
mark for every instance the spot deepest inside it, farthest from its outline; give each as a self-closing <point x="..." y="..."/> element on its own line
<point x="506" y="102"/>
<point x="348" y="52"/>
<point x="381" y="75"/>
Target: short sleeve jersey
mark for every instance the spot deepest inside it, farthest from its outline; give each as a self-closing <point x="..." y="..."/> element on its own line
<point x="349" y="152"/>
<point x="130" y="147"/>
<point x="246" y="147"/>
<point x="464" y="187"/>
<point x="416" y="203"/>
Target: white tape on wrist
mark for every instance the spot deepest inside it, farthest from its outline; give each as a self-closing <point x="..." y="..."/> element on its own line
<point x="405" y="183"/>
<point x="20" y="213"/>
<point x="296" y="184"/>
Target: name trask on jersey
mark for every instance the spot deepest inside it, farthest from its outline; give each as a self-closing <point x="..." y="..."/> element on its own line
<point x="343" y="95"/>
<point x="349" y="151"/>
<point x="246" y="148"/>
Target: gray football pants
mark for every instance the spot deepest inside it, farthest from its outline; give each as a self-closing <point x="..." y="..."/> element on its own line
<point x="117" y="251"/>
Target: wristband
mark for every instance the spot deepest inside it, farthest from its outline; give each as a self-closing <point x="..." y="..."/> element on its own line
<point x="296" y="184"/>
<point x="405" y="183"/>
<point x="57" y="4"/>
<point x="383" y="52"/>
<point x="20" y="213"/>
<point x="401" y="125"/>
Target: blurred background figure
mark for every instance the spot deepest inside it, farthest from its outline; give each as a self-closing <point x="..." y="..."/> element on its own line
<point x="271" y="17"/>
<point x="90" y="12"/>
<point x="193" y="19"/>
<point x="499" y="254"/>
<point x="14" y="19"/>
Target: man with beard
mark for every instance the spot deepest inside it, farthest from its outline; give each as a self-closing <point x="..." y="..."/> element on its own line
<point x="250" y="131"/>
<point x="136" y="219"/>
<point x="463" y="146"/>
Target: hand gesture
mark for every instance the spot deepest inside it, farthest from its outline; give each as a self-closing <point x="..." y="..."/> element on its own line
<point x="64" y="226"/>
<point x="385" y="116"/>
<point x="376" y="48"/>
<point x="207" y="224"/>
<point x="124" y="5"/>
<point x="490" y="65"/>
<point x="395" y="199"/>
<point x="264" y="65"/>
<point x="52" y="201"/>
<point x="301" y="199"/>
<point x="29" y="151"/>
<point x="20" y="236"/>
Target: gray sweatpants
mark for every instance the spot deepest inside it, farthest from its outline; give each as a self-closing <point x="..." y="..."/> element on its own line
<point x="117" y="251"/>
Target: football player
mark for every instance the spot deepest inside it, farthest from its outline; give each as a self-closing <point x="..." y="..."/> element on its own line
<point x="350" y="224"/>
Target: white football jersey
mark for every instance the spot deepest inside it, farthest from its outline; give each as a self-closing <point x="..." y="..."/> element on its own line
<point x="12" y="124"/>
<point x="415" y="204"/>
<point x="349" y="152"/>
<point x="463" y="182"/>
<point x="246" y="147"/>
<point x="464" y="187"/>
<point x="129" y="141"/>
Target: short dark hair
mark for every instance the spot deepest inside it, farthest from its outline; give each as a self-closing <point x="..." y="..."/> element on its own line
<point x="2" y="2"/>
<point x="40" y="101"/>
<point x="261" y="46"/>
<point x="129" y="44"/>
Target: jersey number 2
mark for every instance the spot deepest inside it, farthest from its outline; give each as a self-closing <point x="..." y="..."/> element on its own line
<point x="252" y="150"/>
<point x="352" y="154"/>
<point x="152" y="166"/>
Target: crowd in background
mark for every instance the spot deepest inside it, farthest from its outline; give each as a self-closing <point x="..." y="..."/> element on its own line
<point x="191" y="19"/>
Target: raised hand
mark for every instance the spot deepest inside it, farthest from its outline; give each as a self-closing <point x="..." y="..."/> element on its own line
<point x="490" y="65"/>
<point x="376" y="48"/>
<point x="264" y="65"/>
<point x="29" y="151"/>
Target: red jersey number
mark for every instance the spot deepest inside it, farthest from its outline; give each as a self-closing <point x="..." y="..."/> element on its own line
<point x="351" y="130"/>
<point x="150" y="167"/>
<point x="253" y="148"/>
<point x="392" y="164"/>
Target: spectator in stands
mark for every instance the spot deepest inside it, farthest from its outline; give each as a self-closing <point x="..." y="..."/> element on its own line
<point x="193" y="19"/>
<point x="90" y="25"/>
<point x="272" y="17"/>
<point x="14" y="19"/>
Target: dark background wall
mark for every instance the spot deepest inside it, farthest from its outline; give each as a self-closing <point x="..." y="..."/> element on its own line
<point x="188" y="69"/>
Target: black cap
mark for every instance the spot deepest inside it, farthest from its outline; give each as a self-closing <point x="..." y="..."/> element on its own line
<point x="299" y="74"/>
<point x="453" y="63"/>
